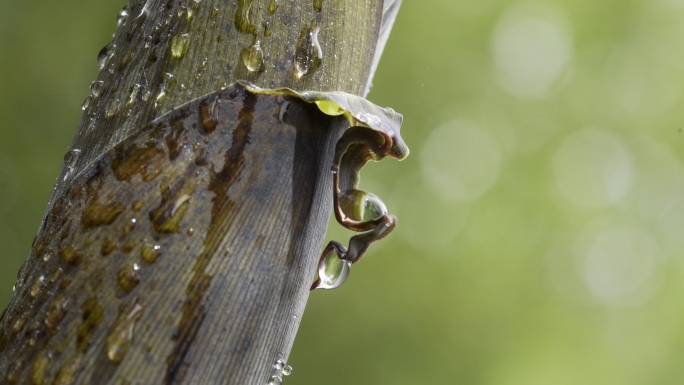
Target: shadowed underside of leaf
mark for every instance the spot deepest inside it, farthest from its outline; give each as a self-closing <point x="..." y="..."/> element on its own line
<point x="208" y="210"/>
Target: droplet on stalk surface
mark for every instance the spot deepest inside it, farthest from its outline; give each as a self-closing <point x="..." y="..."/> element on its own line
<point x="103" y="56"/>
<point x="96" y="88"/>
<point x="180" y="45"/>
<point x="70" y="159"/>
<point x="120" y="335"/>
<point x="122" y="16"/>
<point x="112" y="108"/>
<point x="308" y="55"/>
<point x="86" y="102"/>
<point x="318" y="5"/>
<point x="253" y="57"/>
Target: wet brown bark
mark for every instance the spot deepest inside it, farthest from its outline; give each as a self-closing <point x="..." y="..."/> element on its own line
<point x="180" y="250"/>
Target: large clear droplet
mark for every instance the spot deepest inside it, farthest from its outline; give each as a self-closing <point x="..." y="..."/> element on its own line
<point x="180" y="45"/>
<point x="86" y="102"/>
<point x="360" y="205"/>
<point x="96" y="88"/>
<point x="122" y="16"/>
<point x="308" y="55"/>
<point x="253" y="57"/>
<point x="334" y="272"/>
<point x="70" y="159"/>
<point x="103" y="56"/>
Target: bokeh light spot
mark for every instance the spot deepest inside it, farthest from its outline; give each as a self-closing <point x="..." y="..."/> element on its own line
<point x="619" y="263"/>
<point x="460" y="160"/>
<point x="532" y="46"/>
<point x="593" y="168"/>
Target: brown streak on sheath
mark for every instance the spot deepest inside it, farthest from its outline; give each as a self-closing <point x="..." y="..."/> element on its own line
<point x="221" y="218"/>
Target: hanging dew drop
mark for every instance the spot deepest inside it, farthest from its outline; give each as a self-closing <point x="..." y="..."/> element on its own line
<point x="275" y="380"/>
<point x="253" y="57"/>
<point x="333" y="272"/>
<point x="360" y="205"/>
<point x="287" y="370"/>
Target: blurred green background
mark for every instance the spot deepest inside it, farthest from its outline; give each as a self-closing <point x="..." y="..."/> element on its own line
<point x="541" y="234"/>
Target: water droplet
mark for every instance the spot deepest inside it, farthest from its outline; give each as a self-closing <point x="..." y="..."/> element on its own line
<point x="47" y="256"/>
<point x="96" y="88"/>
<point x="55" y="276"/>
<point x="287" y="370"/>
<point x="37" y="285"/>
<point x="14" y="370"/>
<point x="191" y="231"/>
<point x="333" y="272"/>
<point x="112" y="108"/>
<point x="267" y="29"/>
<point x="242" y="22"/>
<point x="40" y="367"/>
<point x="308" y="55"/>
<point x="128" y="227"/>
<point x="150" y="253"/>
<point x="180" y="45"/>
<point x="66" y="374"/>
<point x="279" y="365"/>
<point x="129" y="277"/>
<point x="282" y="110"/>
<point x="19" y="323"/>
<point x="214" y="12"/>
<point x="108" y="245"/>
<point x="317" y="5"/>
<point x="129" y="246"/>
<point x="209" y="114"/>
<point x="86" y="102"/>
<point x="120" y="334"/>
<point x="70" y="159"/>
<point x="56" y="312"/>
<point x="360" y="205"/>
<point x="71" y="255"/>
<point x="272" y="7"/>
<point x="253" y="57"/>
<point x="167" y="217"/>
<point x="146" y="96"/>
<point x="122" y="16"/>
<point x="104" y="55"/>
<point x="135" y="91"/>
<point x="275" y="380"/>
